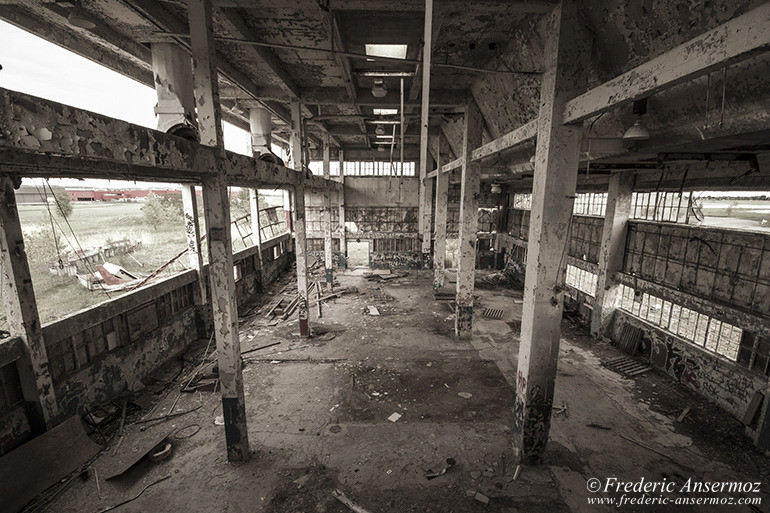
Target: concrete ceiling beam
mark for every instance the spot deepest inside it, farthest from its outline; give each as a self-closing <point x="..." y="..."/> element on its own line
<point x="738" y="39"/>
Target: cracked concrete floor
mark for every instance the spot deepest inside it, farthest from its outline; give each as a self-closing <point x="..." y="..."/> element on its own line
<point x="318" y="420"/>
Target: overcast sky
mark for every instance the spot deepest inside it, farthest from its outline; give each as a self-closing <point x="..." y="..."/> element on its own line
<point x="34" y="66"/>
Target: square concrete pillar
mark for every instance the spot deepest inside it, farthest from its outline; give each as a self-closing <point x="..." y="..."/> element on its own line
<point x="327" y="216"/>
<point x="439" y="225"/>
<point x="607" y="296"/>
<point x="469" y="220"/>
<point x="22" y="315"/>
<point x="216" y="207"/>
<point x="553" y="190"/>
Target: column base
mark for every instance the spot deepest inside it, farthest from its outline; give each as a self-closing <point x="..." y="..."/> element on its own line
<point x="438" y="279"/>
<point x="531" y="424"/>
<point x="236" y="435"/>
<point x="463" y="321"/>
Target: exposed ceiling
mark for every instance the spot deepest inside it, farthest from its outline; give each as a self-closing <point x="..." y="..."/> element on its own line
<point x="294" y="61"/>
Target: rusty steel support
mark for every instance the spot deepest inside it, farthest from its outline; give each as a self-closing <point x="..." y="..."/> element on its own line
<point x="439" y="237"/>
<point x="556" y="164"/>
<point x="300" y="234"/>
<point x="613" y="246"/>
<point x="172" y="70"/>
<point x="327" y="217"/>
<point x="469" y="221"/>
<point x="216" y="206"/>
<point x="22" y="315"/>
<point x="341" y="197"/>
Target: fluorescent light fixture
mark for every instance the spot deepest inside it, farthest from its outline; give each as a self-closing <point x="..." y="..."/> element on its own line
<point x="392" y="51"/>
<point x="385" y="112"/>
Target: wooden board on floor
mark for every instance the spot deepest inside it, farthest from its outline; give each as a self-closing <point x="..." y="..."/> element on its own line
<point x="136" y="445"/>
<point x="30" y="469"/>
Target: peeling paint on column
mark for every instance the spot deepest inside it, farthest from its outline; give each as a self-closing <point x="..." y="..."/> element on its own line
<point x="440" y="223"/>
<point x="531" y="421"/>
<point x="556" y="163"/>
<point x="469" y="192"/>
<point x="21" y="309"/>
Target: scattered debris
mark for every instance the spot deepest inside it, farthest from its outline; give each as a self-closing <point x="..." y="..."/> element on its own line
<point x="682" y="415"/>
<point x="475" y="474"/>
<point x="260" y="348"/>
<point x="481" y="498"/>
<point x="598" y="426"/>
<point x="169" y="415"/>
<point x="300" y="482"/>
<point x="219" y="421"/>
<point x="373" y="310"/>
<point x="137" y="495"/>
<point x="160" y="452"/>
<point x="640" y="444"/>
<point x="516" y="472"/>
<point x="465" y="395"/>
<point x="179" y="436"/>
<point x="340" y="496"/>
<point x="430" y="474"/>
<point x="394" y="417"/>
<point x="42" y="462"/>
<point x="563" y="410"/>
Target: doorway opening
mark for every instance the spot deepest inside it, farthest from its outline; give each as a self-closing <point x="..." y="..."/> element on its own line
<point x="358" y="253"/>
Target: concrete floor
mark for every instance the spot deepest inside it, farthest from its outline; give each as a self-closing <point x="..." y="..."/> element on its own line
<point x="318" y="420"/>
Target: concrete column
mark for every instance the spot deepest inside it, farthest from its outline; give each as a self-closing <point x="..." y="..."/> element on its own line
<point x="172" y="70"/>
<point x="260" y="125"/>
<point x="341" y="196"/>
<point x="327" y="217"/>
<point x="556" y="164"/>
<point x="613" y="246"/>
<point x="424" y="196"/>
<point x="439" y="238"/>
<point x="217" y="210"/>
<point x="469" y="221"/>
<point x="300" y="237"/>
<point x="22" y="315"/>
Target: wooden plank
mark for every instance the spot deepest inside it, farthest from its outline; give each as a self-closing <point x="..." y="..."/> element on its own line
<point x="30" y="469"/>
<point x="134" y="447"/>
<point x="738" y="39"/>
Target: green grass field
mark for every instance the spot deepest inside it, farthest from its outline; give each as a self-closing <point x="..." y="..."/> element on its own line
<point x="94" y="224"/>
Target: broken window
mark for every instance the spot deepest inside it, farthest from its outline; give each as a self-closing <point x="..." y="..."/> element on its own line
<point x="712" y="334"/>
